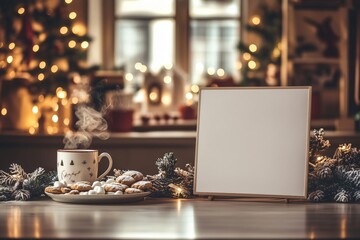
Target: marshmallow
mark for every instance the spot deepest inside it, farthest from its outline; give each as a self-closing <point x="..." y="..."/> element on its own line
<point x="102" y="183"/>
<point x="118" y="193"/>
<point x="110" y="181"/>
<point x="96" y="183"/>
<point x="83" y="193"/>
<point x="110" y="193"/>
<point x="99" y="190"/>
<point x="59" y="184"/>
<point x="92" y="192"/>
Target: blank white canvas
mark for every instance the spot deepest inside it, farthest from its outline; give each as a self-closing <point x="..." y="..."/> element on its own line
<point x="253" y="142"/>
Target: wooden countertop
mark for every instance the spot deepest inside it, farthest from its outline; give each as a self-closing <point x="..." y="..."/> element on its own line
<point x="174" y="219"/>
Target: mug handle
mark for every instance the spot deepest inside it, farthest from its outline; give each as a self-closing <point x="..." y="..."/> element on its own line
<point x="105" y="154"/>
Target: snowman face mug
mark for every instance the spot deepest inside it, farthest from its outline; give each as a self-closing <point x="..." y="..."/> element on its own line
<point x="74" y="165"/>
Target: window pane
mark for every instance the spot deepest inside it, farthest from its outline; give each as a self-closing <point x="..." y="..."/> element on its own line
<point x="144" y="8"/>
<point x="213" y="46"/>
<point x="214" y="8"/>
<point x="150" y="42"/>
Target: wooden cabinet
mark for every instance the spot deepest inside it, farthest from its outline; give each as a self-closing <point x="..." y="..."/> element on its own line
<point x="315" y="53"/>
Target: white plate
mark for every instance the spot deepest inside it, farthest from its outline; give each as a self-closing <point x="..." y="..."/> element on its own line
<point x="98" y="198"/>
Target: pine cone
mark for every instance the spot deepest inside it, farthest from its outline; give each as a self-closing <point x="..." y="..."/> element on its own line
<point x="317" y="196"/>
<point x="342" y="196"/>
<point x="5" y="193"/>
<point x="21" y="195"/>
<point x="356" y="196"/>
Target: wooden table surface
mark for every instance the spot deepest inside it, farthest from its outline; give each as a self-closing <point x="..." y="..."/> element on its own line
<point x="174" y="218"/>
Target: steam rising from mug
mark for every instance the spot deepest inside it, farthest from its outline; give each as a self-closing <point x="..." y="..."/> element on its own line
<point x="90" y="123"/>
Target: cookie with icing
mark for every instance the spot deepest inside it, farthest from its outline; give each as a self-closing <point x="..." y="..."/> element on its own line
<point x="53" y="190"/>
<point x="114" y="187"/>
<point x="142" y="185"/>
<point x="125" y="179"/>
<point x="138" y="176"/>
<point x="133" y="190"/>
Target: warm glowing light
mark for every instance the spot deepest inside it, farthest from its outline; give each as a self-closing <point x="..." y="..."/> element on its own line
<point x="35" y="48"/>
<point x="66" y="121"/>
<point x="143" y="68"/>
<point x="32" y="130"/>
<point x="246" y="56"/>
<point x="168" y="66"/>
<point x="72" y="44"/>
<point x="238" y="65"/>
<point x="54" y="68"/>
<point x="166" y="100"/>
<point x="42" y="64"/>
<point x="77" y="79"/>
<point x="41" y="76"/>
<point x="153" y="96"/>
<point x="211" y="71"/>
<point x="85" y="44"/>
<point x="61" y="93"/>
<point x="79" y="29"/>
<point x="50" y="130"/>
<point x="12" y="74"/>
<point x="9" y="59"/>
<point x="167" y="79"/>
<point x="252" y="48"/>
<point x="64" y="102"/>
<point x="138" y="65"/>
<point x="56" y="107"/>
<point x="11" y="46"/>
<point x="55" y="118"/>
<point x="220" y="72"/>
<point x="195" y="88"/>
<point x="129" y="77"/>
<point x="21" y="10"/>
<point x="41" y="98"/>
<point x="64" y="30"/>
<point x="3" y="111"/>
<point x="74" y="100"/>
<point x="276" y="52"/>
<point x="252" y="64"/>
<point x="1" y="44"/>
<point x="256" y="20"/>
<point x="72" y="15"/>
<point x="189" y="96"/>
<point x="35" y="109"/>
<point x="68" y="1"/>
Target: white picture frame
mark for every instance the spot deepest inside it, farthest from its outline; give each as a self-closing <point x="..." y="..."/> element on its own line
<point x="253" y="142"/>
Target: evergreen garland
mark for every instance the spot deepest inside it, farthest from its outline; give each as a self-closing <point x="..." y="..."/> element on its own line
<point x="334" y="178"/>
<point x="172" y="181"/>
<point x="19" y="185"/>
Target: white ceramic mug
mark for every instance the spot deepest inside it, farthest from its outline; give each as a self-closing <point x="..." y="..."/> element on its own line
<point x="74" y="165"/>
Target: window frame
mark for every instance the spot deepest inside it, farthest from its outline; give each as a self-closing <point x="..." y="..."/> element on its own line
<point x="182" y="21"/>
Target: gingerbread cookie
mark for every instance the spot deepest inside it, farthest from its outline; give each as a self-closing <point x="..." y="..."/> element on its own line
<point x="133" y="190"/>
<point x="54" y="190"/>
<point x="65" y="190"/>
<point x="135" y="174"/>
<point x="80" y="186"/>
<point x="127" y="180"/>
<point x="114" y="187"/>
<point x="142" y="185"/>
<point x="73" y="192"/>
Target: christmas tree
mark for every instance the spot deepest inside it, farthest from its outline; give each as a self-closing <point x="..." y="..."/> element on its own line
<point x="261" y="62"/>
<point x="42" y="44"/>
<point x="39" y="39"/>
